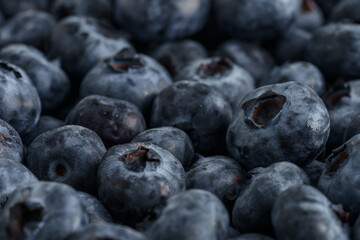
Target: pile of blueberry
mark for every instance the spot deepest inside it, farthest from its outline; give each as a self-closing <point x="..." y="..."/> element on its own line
<point x="179" y="120"/>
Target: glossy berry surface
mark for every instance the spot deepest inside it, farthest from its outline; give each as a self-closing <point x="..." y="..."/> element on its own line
<point x="115" y="121"/>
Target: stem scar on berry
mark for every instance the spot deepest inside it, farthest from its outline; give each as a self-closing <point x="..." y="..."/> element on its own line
<point x="137" y="161"/>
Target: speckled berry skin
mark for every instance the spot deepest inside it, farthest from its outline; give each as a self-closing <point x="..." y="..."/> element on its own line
<point x="314" y="170"/>
<point x="280" y="122"/>
<point x="50" y="81"/>
<point x="175" y="140"/>
<point x="13" y="175"/>
<point x="41" y="211"/>
<point x="11" y="145"/>
<point x="115" y="121"/>
<point x="307" y="207"/>
<point x="133" y="172"/>
<point x="81" y="42"/>
<point x="95" y="210"/>
<point x="232" y="81"/>
<point x="107" y="231"/>
<point x="135" y="78"/>
<point x="255" y="19"/>
<point x="161" y="20"/>
<point x="68" y="154"/>
<point x="198" y="110"/>
<point x="20" y="104"/>
<point x="334" y="48"/>
<point x="202" y="214"/>
<point x="339" y="180"/>
<point x="252" y="209"/>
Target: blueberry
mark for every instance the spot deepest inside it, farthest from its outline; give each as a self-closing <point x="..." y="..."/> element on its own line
<point x="97" y="213"/>
<point x="339" y="178"/>
<point x="343" y="104"/>
<point x="11" y="145"/>
<point x="279" y="122"/>
<point x="50" y="81"/>
<point x="19" y="100"/>
<point x="310" y="16"/>
<point x="173" y="55"/>
<point x="193" y="214"/>
<point x="41" y="211"/>
<point x="81" y="42"/>
<point x="352" y="129"/>
<point x="198" y="110"/>
<point x="44" y="124"/>
<point x="156" y="20"/>
<point x="314" y="170"/>
<point x="175" y="140"/>
<point x="93" y="8"/>
<point x="303" y="212"/>
<point x="135" y="78"/>
<point x="291" y="46"/>
<point x="115" y="121"/>
<point x="253" y="58"/>
<point x="13" y="175"/>
<point x="255" y="19"/>
<point x="334" y="48"/>
<point x="232" y="81"/>
<point x="356" y="230"/>
<point x="345" y="10"/>
<point x="327" y="5"/>
<point x="219" y="175"/>
<point x="251" y="212"/>
<point x="107" y="231"/>
<point x="302" y="72"/>
<point x="135" y="178"/>
<point x="68" y="154"/>
<point x="31" y="27"/>
<point x="11" y="8"/>
<point x="251" y="236"/>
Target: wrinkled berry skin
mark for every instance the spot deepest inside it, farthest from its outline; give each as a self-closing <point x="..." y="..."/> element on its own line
<point x="201" y="214"/>
<point x="198" y="110"/>
<point x="232" y="81"/>
<point x="175" y="140"/>
<point x="41" y="211"/>
<point x="346" y="10"/>
<point x="173" y="55"/>
<point x="135" y="78"/>
<point x="314" y="170"/>
<point x="107" y="231"/>
<point x="252" y="209"/>
<point x="255" y="19"/>
<point x="20" y="104"/>
<point x="157" y="20"/>
<point x="11" y="145"/>
<point x="135" y="178"/>
<point x="339" y="178"/>
<point x="335" y="49"/>
<point x="69" y="154"/>
<point x="251" y="236"/>
<point x="219" y="175"/>
<point x="343" y="104"/>
<point x="31" y="27"/>
<point x="279" y="122"/>
<point x="44" y="124"/>
<point x="302" y="72"/>
<point x="256" y="60"/>
<point x="115" y="121"/>
<point x="81" y="42"/>
<point x="50" y="81"/>
<point x="92" y="8"/>
<point x="95" y="210"/>
<point x="13" y="175"/>
<point x="303" y="212"/>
